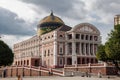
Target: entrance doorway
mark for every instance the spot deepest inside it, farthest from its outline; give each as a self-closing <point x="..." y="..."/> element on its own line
<point x="36" y="62"/>
<point x="78" y="61"/>
<point x="83" y="60"/>
<point x="69" y="61"/>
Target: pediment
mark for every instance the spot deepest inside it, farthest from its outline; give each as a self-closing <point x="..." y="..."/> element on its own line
<point x="86" y="28"/>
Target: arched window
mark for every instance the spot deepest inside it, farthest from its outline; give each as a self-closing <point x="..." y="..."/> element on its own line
<point x="61" y="36"/>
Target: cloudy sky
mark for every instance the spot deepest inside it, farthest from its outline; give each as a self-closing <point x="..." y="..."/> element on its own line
<point x="19" y="18"/>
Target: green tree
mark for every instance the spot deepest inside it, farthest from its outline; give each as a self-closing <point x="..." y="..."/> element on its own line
<point x="111" y="51"/>
<point x="112" y="46"/>
<point x="6" y="54"/>
<point x="101" y="55"/>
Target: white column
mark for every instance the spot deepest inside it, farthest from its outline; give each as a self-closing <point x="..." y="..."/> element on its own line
<point x="80" y="36"/>
<point x="66" y="48"/>
<point x="93" y="45"/>
<point x="66" y="52"/>
<point x="89" y="49"/>
<point x="93" y="48"/>
<point x="85" y="48"/>
<point x="73" y="54"/>
<point x="66" y="36"/>
<point x="42" y="55"/>
<point x="79" y="48"/>
<point x="55" y="53"/>
<point x="55" y="49"/>
<point x="74" y="58"/>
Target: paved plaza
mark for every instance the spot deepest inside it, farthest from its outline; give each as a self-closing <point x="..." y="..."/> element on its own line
<point x="63" y="78"/>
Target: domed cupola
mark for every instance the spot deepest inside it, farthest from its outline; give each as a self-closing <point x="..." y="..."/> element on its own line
<point x="48" y="24"/>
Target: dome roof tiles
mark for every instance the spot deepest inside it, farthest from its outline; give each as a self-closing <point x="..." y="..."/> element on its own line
<point x="51" y="18"/>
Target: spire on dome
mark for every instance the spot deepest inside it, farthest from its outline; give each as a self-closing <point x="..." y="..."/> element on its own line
<point x="51" y="13"/>
<point x="52" y="16"/>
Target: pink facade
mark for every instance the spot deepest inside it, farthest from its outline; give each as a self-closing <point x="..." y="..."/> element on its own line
<point x="62" y="46"/>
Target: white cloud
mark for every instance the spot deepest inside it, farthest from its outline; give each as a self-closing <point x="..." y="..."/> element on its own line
<point x="11" y="39"/>
<point x="23" y="10"/>
<point x="98" y="12"/>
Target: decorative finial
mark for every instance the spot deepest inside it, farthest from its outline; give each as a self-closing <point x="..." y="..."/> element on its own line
<point x="52" y="16"/>
<point x="51" y="13"/>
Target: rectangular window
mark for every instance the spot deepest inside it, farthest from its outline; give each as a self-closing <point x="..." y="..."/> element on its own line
<point x="82" y="37"/>
<point x="77" y="36"/>
<point x="60" y="61"/>
<point x="91" y="38"/>
<point x="70" y="36"/>
<point x="86" y="37"/>
<point x="60" y="51"/>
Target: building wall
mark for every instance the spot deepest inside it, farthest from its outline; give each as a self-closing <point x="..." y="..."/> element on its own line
<point x="117" y="20"/>
<point x="13" y="72"/>
<point x="81" y="44"/>
<point x="47" y="43"/>
<point x="25" y="50"/>
<point x="92" y="69"/>
<point x="58" y="48"/>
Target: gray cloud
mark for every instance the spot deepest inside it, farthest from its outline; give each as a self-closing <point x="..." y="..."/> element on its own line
<point x="65" y="8"/>
<point x="57" y="5"/>
<point x="108" y="6"/>
<point x="76" y="9"/>
<point x="11" y="25"/>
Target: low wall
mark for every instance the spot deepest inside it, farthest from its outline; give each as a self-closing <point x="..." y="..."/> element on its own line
<point x="104" y="69"/>
<point x="30" y="71"/>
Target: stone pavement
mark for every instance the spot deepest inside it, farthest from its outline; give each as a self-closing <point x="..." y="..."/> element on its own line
<point x="63" y="78"/>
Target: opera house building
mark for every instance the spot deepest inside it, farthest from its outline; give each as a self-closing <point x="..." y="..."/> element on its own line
<point x="56" y="44"/>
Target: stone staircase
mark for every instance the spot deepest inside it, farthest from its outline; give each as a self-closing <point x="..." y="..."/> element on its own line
<point x="30" y="71"/>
